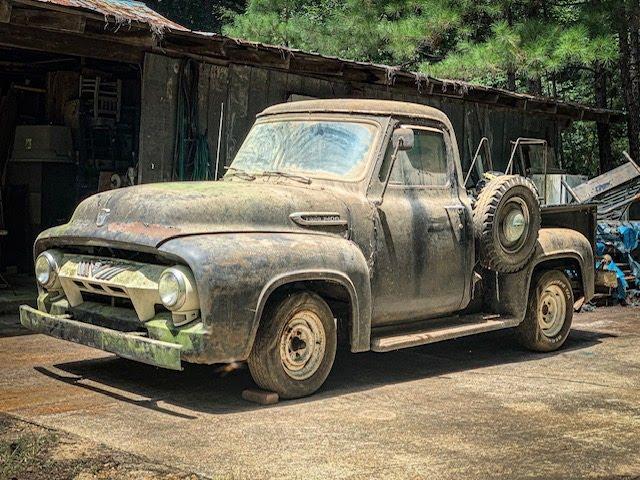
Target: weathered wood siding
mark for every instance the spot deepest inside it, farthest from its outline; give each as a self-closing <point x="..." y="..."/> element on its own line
<point x="237" y="93"/>
<point x="158" y="118"/>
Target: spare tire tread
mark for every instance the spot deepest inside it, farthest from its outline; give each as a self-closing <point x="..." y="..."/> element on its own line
<point x="484" y="215"/>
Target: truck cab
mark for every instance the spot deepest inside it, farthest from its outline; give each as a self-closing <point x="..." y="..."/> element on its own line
<point x="338" y="221"/>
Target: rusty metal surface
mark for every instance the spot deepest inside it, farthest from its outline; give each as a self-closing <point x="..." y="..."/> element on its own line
<point x="360" y="106"/>
<point x="557" y="248"/>
<point x="612" y="191"/>
<point x="236" y="274"/>
<point x="121" y="11"/>
<point x="126" y="345"/>
<point x="383" y="264"/>
<point x="151" y="214"/>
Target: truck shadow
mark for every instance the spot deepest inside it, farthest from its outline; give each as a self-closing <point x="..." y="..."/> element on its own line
<point x="208" y="390"/>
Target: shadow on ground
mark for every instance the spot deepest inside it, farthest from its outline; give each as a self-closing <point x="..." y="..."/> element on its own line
<point x="203" y="389"/>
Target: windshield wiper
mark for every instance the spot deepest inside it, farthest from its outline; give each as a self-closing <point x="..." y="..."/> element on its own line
<point x="293" y="176"/>
<point x="238" y="172"/>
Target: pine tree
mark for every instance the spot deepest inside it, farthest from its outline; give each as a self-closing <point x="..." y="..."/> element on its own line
<point x="579" y="50"/>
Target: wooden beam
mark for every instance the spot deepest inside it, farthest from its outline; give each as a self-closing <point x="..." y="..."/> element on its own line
<point x="134" y="34"/>
<point x="59" y="8"/>
<point x="49" y="20"/>
<point x="17" y="36"/>
<point x="5" y="11"/>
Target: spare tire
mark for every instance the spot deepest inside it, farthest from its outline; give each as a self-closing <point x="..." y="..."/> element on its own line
<point x="506" y="222"/>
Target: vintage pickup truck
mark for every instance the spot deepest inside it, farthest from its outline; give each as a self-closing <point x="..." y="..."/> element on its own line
<point x="338" y="222"/>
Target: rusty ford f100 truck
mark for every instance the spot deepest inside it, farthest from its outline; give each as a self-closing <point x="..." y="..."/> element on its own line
<point x="338" y="220"/>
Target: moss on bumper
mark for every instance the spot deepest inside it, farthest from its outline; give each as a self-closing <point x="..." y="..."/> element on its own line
<point x="126" y="345"/>
<point x="192" y="338"/>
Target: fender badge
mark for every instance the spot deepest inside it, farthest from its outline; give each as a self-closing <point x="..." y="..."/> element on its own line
<point x="102" y="216"/>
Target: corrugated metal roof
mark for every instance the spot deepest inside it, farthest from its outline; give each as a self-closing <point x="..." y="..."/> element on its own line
<point x="125" y="11"/>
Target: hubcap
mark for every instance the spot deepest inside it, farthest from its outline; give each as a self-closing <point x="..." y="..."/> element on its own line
<point x="552" y="310"/>
<point x="515" y="221"/>
<point x="514" y="225"/>
<point x="302" y="345"/>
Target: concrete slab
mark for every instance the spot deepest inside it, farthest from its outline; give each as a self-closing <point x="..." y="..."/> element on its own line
<point x="478" y="407"/>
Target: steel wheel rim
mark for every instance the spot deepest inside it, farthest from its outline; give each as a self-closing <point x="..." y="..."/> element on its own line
<point x="552" y="310"/>
<point x="302" y="345"/>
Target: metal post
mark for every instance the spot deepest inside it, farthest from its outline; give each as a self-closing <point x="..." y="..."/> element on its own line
<point x="215" y="176"/>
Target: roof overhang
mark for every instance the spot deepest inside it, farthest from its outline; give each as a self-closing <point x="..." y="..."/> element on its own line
<point x="124" y="30"/>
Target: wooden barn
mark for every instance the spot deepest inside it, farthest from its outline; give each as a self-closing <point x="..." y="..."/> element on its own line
<point x="95" y="94"/>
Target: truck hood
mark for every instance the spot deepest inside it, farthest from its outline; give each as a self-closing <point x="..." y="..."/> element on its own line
<point x="149" y="215"/>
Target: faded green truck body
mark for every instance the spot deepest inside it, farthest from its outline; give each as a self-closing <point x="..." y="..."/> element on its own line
<point x="411" y="258"/>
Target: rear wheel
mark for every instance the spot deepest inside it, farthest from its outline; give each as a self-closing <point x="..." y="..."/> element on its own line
<point x="295" y="346"/>
<point x="549" y="313"/>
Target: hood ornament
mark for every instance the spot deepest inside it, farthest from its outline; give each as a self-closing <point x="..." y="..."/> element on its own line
<point x="102" y="216"/>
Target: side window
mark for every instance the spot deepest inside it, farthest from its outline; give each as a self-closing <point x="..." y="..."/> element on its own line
<point x="425" y="163"/>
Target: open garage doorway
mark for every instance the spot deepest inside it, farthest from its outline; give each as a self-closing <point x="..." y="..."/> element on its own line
<point x="68" y="129"/>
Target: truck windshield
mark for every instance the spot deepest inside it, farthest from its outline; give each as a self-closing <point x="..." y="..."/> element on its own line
<point x="325" y="148"/>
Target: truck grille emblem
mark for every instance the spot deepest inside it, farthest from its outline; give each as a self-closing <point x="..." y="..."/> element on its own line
<point x="99" y="269"/>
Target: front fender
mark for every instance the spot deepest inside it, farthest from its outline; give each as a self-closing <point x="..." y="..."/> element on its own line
<point x="236" y="272"/>
<point x="556" y="246"/>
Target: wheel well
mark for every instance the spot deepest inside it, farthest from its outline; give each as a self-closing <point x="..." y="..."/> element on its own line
<point x="335" y="294"/>
<point x="570" y="266"/>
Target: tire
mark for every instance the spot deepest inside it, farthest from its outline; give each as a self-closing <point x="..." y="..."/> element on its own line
<point x="549" y="313"/>
<point x="506" y="200"/>
<point x="282" y="359"/>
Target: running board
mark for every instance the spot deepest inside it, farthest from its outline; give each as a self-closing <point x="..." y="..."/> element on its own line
<point x="439" y="330"/>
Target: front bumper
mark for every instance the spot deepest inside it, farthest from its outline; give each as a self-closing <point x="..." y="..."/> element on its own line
<point x="127" y="345"/>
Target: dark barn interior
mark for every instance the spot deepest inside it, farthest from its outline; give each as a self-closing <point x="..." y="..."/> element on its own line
<point x="69" y="129"/>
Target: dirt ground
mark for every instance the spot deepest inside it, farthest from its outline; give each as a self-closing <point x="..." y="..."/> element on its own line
<point x="478" y="407"/>
<point x="29" y="451"/>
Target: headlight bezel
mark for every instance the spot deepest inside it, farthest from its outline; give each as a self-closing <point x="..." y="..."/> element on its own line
<point x="186" y="295"/>
<point x="180" y="295"/>
<point x="53" y="280"/>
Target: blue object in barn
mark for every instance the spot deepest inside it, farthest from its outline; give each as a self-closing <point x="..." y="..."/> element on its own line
<point x="624" y="237"/>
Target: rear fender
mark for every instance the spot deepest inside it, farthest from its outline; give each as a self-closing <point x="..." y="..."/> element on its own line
<point x="557" y="248"/>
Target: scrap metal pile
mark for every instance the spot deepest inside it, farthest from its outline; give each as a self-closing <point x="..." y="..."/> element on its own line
<point x="617" y="195"/>
<point x="618" y="243"/>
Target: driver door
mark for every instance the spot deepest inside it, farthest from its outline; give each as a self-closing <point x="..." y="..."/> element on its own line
<point x="421" y="270"/>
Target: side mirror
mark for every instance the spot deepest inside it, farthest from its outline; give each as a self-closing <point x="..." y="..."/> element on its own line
<point x="402" y="139"/>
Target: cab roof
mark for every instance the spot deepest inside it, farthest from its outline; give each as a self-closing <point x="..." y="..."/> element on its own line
<point x="360" y="106"/>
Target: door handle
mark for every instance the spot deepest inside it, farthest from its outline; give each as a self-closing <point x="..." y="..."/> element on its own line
<point x="459" y="226"/>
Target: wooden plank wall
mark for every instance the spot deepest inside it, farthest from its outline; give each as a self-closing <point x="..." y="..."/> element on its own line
<point x="237" y="93"/>
<point x="158" y="118"/>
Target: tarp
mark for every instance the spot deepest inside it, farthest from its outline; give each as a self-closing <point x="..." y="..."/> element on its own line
<point x="623" y="237"/>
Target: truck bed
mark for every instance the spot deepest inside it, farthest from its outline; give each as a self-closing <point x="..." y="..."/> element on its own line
<point x="579" y="217"/>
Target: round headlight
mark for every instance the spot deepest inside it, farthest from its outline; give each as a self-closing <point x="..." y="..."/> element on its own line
<point x="46" y="269"/>
<point x="172" y="288"/>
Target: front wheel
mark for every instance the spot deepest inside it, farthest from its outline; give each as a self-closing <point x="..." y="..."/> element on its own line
<point x="295" y="346"/>
<point x="549" y="313"/>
